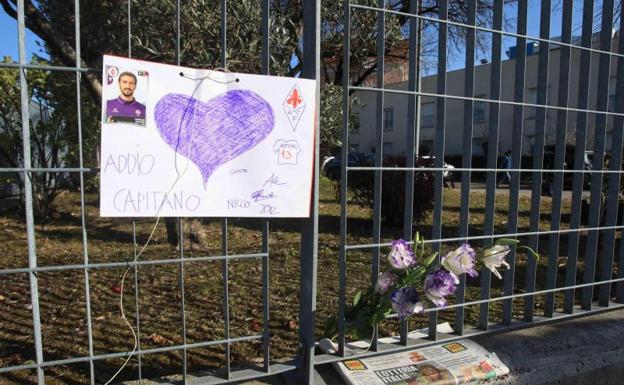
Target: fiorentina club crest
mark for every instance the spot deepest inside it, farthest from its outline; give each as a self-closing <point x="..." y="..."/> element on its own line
<point x="294" y="107"/>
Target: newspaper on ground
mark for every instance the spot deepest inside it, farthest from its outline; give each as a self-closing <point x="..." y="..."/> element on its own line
<point x="456" y="362"/>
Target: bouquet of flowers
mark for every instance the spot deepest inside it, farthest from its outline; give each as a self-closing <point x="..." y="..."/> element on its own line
<point x="414" y="281"/>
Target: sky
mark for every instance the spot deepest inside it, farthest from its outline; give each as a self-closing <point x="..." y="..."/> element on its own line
<point x="9" y="46"/>
<point x="8" y="39"/>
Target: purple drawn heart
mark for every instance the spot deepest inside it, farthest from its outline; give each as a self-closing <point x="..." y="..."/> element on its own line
<point x="213" y="133"/>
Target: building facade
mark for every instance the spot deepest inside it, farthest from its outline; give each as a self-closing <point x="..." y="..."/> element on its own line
<point x="395" y="121"/>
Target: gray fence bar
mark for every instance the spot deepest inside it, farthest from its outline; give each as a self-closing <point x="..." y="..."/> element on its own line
<point x="342" y="258"/>
<point x="492" y="155"/>
<point x="137" y="314"/>
<point x="516" y="153"/>
<point x="28" y="198"/>
<point x="560" y="149"/>
<point x="266" y="333"/>
<point x="538" y="155"/>
<point x="83" y="221"/>
<point x="579" y="152"/>
<point x="595" y="205"/>
<point x="309" y="233"/>
<point x="464" y="215"/>
<point x="412" y="129"/>
<point x="613" y="190"/>
<point x="439" y="144"/>
<point x="379" y="151"/>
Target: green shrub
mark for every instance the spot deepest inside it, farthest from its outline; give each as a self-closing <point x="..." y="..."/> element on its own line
<point x="362" y="189"/>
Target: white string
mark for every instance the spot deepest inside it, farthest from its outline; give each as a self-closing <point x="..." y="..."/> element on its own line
<point x="157" y="215"/>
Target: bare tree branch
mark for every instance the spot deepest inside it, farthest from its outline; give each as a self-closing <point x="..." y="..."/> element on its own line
<point x="37" y="23"/>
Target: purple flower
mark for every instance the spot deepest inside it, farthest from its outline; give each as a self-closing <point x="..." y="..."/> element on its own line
<point x="401" y="255"/>
<point x="405" y="301"/>
<point x="494" y="257"/>
<point x="385" y="282"/>
<point x="460" y="261"/>
<point x="438" y="285"/>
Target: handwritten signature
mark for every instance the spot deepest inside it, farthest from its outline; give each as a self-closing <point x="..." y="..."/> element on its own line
<point x="260" y="195"/>
<point x="273" y="180"/>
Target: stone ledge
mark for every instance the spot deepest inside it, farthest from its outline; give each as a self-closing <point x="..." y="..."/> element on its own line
<point x="584" y="350"/>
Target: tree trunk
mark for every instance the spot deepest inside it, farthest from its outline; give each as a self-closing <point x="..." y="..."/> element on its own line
<point x="172" y="231"/>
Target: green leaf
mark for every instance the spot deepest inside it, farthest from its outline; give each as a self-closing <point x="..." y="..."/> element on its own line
<point x="506" y="242"/>
<point x="357" y="297"/>
<point x="427" y="262"/>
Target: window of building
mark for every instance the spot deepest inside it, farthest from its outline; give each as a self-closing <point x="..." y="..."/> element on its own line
<point x="388" y="119"/>
<point x="387" y="148"/>
<point x="427" y="115"/>
<point x="478" y="111"/>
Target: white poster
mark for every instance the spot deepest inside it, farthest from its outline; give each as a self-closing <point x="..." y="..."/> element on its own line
<point x="179" y="141"/>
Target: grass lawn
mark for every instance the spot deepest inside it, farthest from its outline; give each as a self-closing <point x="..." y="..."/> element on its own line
<point x="63" y="302"/>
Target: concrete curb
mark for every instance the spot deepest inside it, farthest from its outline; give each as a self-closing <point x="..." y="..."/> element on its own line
<point x="587" y="350"/>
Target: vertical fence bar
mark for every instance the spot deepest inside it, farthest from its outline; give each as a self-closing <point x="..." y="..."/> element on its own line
<point x="538" y="154"/>
<point x="83" y="221"/>
<point x="600" y="128"/>
<point x="309" y="233"/>
<point x="224" y="221"/>
<point x="136" y="299"/>
<point x="342" y="261"/>
<point x="181" y="232"/>
<point x="129" y="28"/>
<point x="495" y="86"/>
<point x="379" y="155"/>
<point x="560" y="151"/>
<point x="182" y="301"/>
<point x="439" y="144"/>
<point x="411" y="129"/>
<point x="226" y="295"/>
<point x="579" y="153"/>
<point x="619" y="289"/>
<point x="134" y="241"/>
<point x="266" y="333"/>
<point x="28" y="199"/>
<point x="464" y="214"/>
<point x="516" y="154"/>
<point x="614" y="178"/>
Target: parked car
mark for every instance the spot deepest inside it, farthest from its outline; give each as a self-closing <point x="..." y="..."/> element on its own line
<point x="331" y="166"/>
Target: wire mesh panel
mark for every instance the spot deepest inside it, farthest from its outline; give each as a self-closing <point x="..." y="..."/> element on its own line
<point x="201" y="301"/>
<point x="477" y="81"/>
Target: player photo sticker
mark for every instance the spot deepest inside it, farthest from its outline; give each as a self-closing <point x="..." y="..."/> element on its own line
<point x="126" y="95"/>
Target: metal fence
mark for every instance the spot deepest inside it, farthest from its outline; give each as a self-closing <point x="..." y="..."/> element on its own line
<point x="606" y="230"/>
<point x="597" y="291"/>
<point x="308" y="233"/>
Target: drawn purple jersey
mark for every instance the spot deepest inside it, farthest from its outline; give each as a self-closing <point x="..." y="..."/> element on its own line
<point x="118" y="110"/>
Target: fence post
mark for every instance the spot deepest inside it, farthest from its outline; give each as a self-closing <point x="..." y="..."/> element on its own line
<point x="309" y="233"/>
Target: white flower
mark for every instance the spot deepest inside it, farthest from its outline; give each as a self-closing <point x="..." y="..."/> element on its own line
<point x="494" y="257"/>
<point x="460" y="261"/>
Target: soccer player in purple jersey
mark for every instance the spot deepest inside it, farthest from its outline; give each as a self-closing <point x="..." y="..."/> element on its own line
<point x="125" y="107"/>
